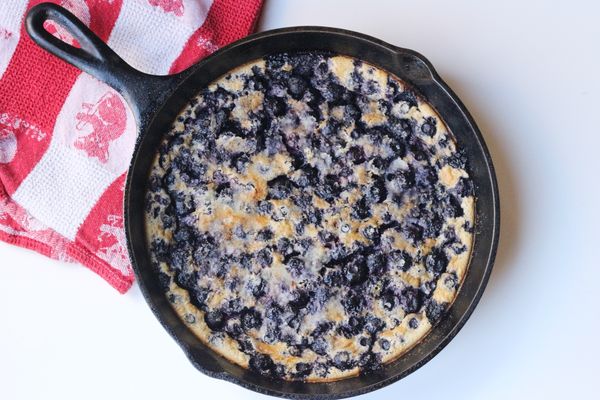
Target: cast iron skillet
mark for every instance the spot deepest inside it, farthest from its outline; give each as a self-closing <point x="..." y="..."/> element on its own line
<point x="156" y="100"/>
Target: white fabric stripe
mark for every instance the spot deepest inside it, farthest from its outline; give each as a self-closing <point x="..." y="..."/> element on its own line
<point x="151" y="39"/>
<point x="91" y="106"/>
<point x="62" y="189"/>
<point x="11" y="15"/>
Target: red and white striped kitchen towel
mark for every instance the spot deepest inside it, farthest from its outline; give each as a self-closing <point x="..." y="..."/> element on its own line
<point x="66" y="138"/>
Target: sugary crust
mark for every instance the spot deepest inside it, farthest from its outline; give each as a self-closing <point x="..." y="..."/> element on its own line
<point x="310" y="217"/>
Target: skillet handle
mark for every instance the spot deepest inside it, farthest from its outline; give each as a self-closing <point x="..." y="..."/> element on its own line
<point x="145" y="93"/>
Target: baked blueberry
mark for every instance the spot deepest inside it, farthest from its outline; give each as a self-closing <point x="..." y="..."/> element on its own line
<point x="374" y="324"/>
<point x="250" y="319"/>
<point x="413" y="323"/>
<point x="299" y="301"/>
<point x="433" y="222"/>
<point x="410" y="300"/>
<point x="265" y="207"/>
<point x="276" y="106"/>
<point x="327" y="238"/>
<point x="264" y="235"/>
<point x="285" y="246"/>
<point x="186" y="280"/>
<point x="304" y="64"/>
<point x="190" y="318"/>
<point x="295" y="265"/>
<point x="184" y="205"/>
<point x="378" y="162"/>
<point x="305" y="244"/>
<point x="377" y="192"/>
<point x="274" y="313"/>
<point x="259" y="289"/>
<point x="296" y="87"/>
<point x="313" y="216"/>
<point x="452" y="207"/>
<point x="215" y="320"/>
<point x="160" y="249"/>
<point x="164" y="280"/>
<point x="353" y="303"/>
<point x="384" y="344"/>
<point x="369" y="362"/>
<point x="464" y="187"/>
<point x="413" y="232"/>
<point x="245" y="260"/>
<point x="239" y="161"/>
<point x="435" y="311"/>
<point x="280" y="188"/>
<point x="451" y="281"/>
<point x="180" y="255"/>
<point x="405" y="178"/>
<point x="399" y="259"/>
<point x="262" y="363"/>
<point x="309" y="176"/>
<point x="320" y="346"/>
<point x="303" y="369"/>
<point x="190" y="170"/>
<point x="361" y="209"/>
<point x="342" y="360"/>
<point x="429" y="126"/>
<point x="333" y="278"/>
<point x="355" y="270"/>
<point x="458" y="159"/>
<point x="356" y="155"/>
<point x="436" y="261"/>
<point x="245" y="345"/>
<point x="329" y="189"/>
<point x="354" y="326"/>
<point x="428" y="287"/>
<point x="321" y="369"/>
<point x="264" y="257"/>
<point x="376" y="264"/>
<point x="198" y="296"/>
<point x="388" y="300"/>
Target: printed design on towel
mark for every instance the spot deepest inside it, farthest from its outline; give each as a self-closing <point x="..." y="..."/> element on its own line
<point x="20" y="216"/>
<point x="107" y="119"/>
<point x="20" y="127"/>
<point x="11" y="128"/>
<point x="169" y="6"/>
<point x="8" y="145"/>
<point x="81" y="11"/>
<point x="113" y="246"/>
<point x="17" y="222"/>
<point x="207" y="44"/>
<point x="5" y="34"/>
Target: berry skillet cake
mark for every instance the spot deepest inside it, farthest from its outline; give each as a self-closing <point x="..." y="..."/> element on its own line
<point x="309" y="216"/>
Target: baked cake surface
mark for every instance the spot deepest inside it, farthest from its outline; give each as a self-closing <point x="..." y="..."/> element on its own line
<point x="309" y="216"/>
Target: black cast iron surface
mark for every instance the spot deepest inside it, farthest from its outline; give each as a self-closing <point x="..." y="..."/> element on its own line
<point x="156" y="101"/>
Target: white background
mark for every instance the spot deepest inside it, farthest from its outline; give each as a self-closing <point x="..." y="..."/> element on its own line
<point x="530" y="74"/>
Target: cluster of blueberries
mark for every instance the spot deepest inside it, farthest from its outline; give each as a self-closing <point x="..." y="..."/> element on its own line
<point x="357" y="275"/>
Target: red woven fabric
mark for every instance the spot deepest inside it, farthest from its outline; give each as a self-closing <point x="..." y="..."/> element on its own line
<point x="66" y="138"/>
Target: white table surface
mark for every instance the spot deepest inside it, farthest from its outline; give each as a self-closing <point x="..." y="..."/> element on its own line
<point x="529" y="73"/>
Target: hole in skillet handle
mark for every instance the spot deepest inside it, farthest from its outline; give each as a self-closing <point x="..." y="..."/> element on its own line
<point x="145" y="93"/>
